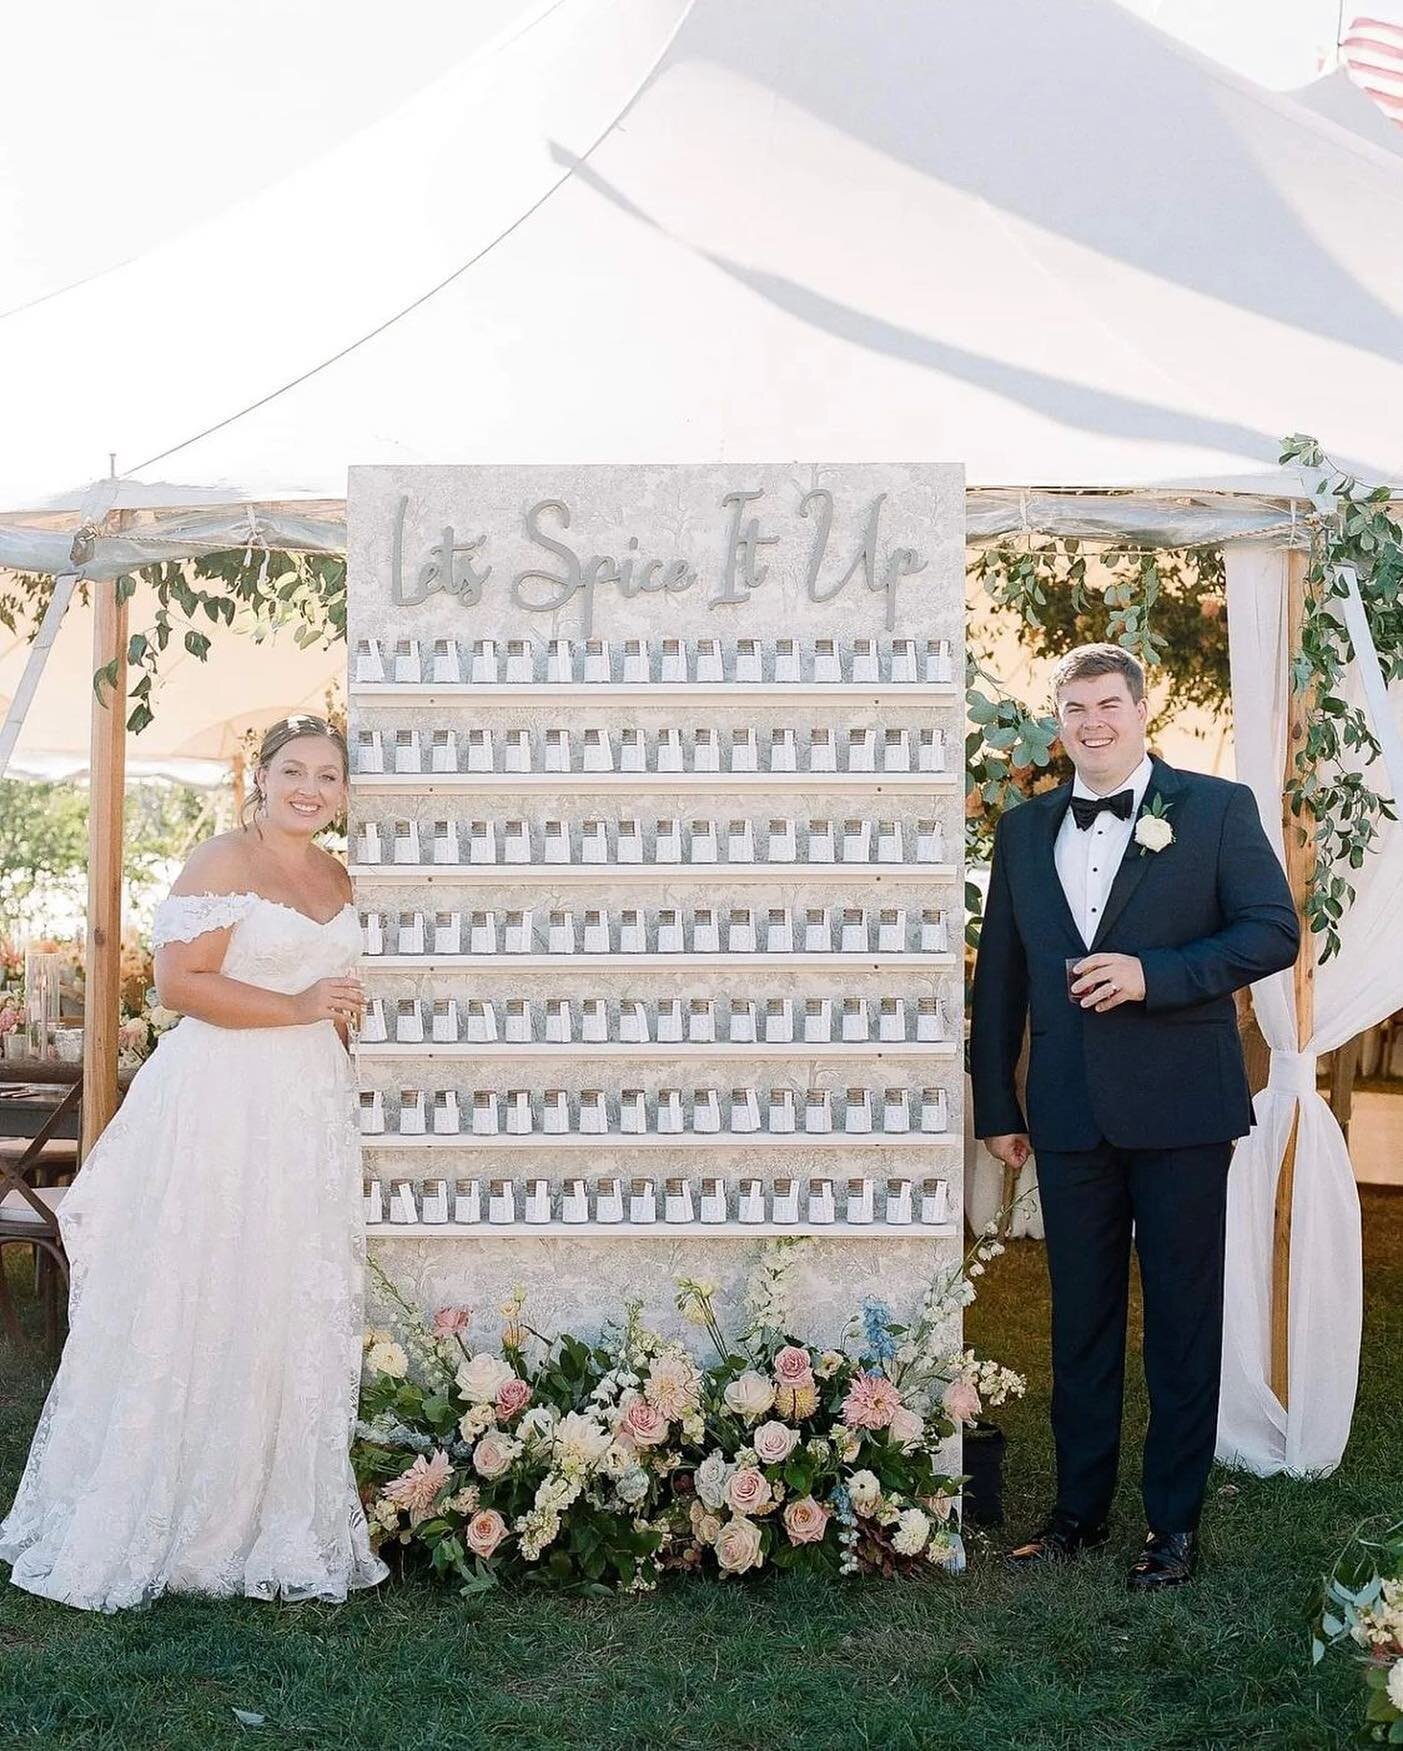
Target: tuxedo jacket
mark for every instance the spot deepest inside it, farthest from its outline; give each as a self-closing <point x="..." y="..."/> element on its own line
<point x="1209" y="913"/>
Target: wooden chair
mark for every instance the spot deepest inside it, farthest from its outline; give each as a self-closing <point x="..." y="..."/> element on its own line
<point x="29" y="1217"/>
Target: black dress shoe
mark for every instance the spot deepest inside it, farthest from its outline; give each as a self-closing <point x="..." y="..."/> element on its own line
<point x="1060" y="1539"/>
<point x="1168" y="1560"/>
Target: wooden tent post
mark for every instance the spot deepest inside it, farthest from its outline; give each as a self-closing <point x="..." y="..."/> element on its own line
<point x="106" y="795"/>
<point x="1299" y="835"/>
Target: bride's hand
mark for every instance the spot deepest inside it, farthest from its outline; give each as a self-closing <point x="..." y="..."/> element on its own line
<point x="330" y="1000"/>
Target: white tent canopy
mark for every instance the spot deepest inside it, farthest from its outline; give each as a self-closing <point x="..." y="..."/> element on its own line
<point x="203" y="708"/>
<point x="1047" y="241"/>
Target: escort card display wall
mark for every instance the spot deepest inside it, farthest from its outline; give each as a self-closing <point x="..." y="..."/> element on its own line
<point x="656" y="835"/>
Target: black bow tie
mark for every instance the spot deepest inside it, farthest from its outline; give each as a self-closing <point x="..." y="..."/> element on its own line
<point x="1085" y="809"/>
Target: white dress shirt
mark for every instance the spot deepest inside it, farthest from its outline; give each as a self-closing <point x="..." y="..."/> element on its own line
<point x="1088" y="857"/>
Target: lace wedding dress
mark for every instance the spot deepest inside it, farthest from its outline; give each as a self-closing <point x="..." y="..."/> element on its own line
<point x="196" y="1437"/>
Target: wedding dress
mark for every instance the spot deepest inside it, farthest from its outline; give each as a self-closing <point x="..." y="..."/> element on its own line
<point x="196" y="1437"/>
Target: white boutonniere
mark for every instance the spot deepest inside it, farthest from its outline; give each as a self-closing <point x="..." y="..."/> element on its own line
<point x="1152" y="829"/>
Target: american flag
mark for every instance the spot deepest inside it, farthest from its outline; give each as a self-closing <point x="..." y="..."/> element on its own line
<point x="1371" y="48"/>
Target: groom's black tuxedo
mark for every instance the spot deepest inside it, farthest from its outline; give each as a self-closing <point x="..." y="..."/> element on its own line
<point x="1206" y="915"/>
<point x="1132" y="1113"/>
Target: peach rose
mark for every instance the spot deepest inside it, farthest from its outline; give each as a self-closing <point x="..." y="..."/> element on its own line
<point x="484" y="1532"/>
<point x="774" y="1442"/>
<point x="737" y="1547"/>
<point x="493" y="1454"/>
<point x="805" y="1521"/>
<point x="513" y="1396"/>
<point x="705" y="1524"/>
<point x="793" y="1366"/>
<point x="747" y="1490"/>
<point x="643" y="1424"/>
<point x="449" y="1320"/>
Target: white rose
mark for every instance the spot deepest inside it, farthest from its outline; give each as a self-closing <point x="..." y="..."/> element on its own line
<point x="710" y="1478"/>
<point x="912" y="1531"/>
<point x="1153" y="832"/>
<point x="774" y="1442"/>
<point x="1395" y="1685"/>
<point x="750" y="1394"/>
<point x="388" y="1358"/>
<point x="906" y="1428"/>
<point x="864" y="1490"/>
<point x="480" y="1379"/>
<point x="161" y="1018"/>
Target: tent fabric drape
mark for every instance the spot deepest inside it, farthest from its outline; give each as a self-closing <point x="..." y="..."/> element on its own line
<point x="1355" y="989"/>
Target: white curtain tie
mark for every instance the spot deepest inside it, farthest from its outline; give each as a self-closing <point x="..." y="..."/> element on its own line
<point x="1292" y="1073"/>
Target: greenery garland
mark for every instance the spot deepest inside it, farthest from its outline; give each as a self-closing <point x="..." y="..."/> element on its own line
<point x="1330" y="783"/>
<point x="270" y="590"/>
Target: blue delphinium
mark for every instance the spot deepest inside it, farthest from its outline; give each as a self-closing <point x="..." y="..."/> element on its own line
<point x="878" y="1343"/>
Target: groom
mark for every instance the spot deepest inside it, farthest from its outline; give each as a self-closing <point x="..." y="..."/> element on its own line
<point x="1124" y="910"/>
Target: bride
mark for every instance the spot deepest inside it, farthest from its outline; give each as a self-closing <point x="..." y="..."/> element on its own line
<point x="196" y="1437"/>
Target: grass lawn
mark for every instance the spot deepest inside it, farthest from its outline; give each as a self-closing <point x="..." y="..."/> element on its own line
<point x="985" y="1660"/>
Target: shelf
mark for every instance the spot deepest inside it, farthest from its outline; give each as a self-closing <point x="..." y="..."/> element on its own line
<point x="467" y="783"/>
<point x="661" y="693"/>
<point x="608" y="1140"/>
<point x="898" y="960"/>
<point x="557" y="874"/>
<point x="655" y="1049"/>
<point x="553" y="1230"/>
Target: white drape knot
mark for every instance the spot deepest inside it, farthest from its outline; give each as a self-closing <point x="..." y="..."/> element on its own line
<point x="1292" y="1073"/>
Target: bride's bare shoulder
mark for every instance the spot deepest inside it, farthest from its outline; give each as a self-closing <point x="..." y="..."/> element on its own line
<point x="216" y="866"/>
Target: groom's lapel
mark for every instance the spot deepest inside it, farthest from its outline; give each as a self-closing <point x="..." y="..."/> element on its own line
<point x="1051" y="807"/>
<point x="1163" y="783"/>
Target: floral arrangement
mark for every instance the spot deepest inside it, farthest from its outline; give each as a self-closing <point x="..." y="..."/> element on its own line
<point x="604" y="1466"/>
<point x="1360" y="1606"/>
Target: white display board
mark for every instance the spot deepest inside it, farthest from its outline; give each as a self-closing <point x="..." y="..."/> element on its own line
<point x="656" y="832"/>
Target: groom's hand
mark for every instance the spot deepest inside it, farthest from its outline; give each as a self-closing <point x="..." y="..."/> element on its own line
<point x="1011" y="1149"/>
<point x="1104" y="981"/>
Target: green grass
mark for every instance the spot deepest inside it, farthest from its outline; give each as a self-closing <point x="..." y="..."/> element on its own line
<point x="986" y="1660"/>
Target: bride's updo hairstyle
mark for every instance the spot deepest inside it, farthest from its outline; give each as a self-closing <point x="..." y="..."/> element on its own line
<point x="277" y="736"/>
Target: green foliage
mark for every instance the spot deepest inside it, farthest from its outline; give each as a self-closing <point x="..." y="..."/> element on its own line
<point x="1330" y="785"/>
<point x="992" y="1660"/>
<point x="259" y="591"/>
<point x="1167" y="606"/>
<point x="44" y="841"/>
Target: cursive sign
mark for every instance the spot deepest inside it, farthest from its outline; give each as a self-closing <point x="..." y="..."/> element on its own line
<point x="748" y="543"/>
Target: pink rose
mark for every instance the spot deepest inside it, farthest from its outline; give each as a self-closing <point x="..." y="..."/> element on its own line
<point x="748" y="1490"/>
<point x="484" y="1532"/>
<point x="774" y="1442"/>
<point x="493" y="1454"/>
<point x="449" y="1320"/>
<point x="805" y="1521"/>
<point x="960" y="1400"/>
<point x="793" y="1366"/>
<point x="513" y="1396"/>
<point x="643" y="1424"/>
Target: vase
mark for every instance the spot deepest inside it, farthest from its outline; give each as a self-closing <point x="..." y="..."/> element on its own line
<point x="984" y="1447"/>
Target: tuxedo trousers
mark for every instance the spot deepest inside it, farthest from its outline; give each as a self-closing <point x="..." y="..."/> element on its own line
<point x="1175" y="1202"/>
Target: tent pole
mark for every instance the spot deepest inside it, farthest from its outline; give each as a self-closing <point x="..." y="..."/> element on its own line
<point x="106" y="795"/>
<point x="1299" y="836"/>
